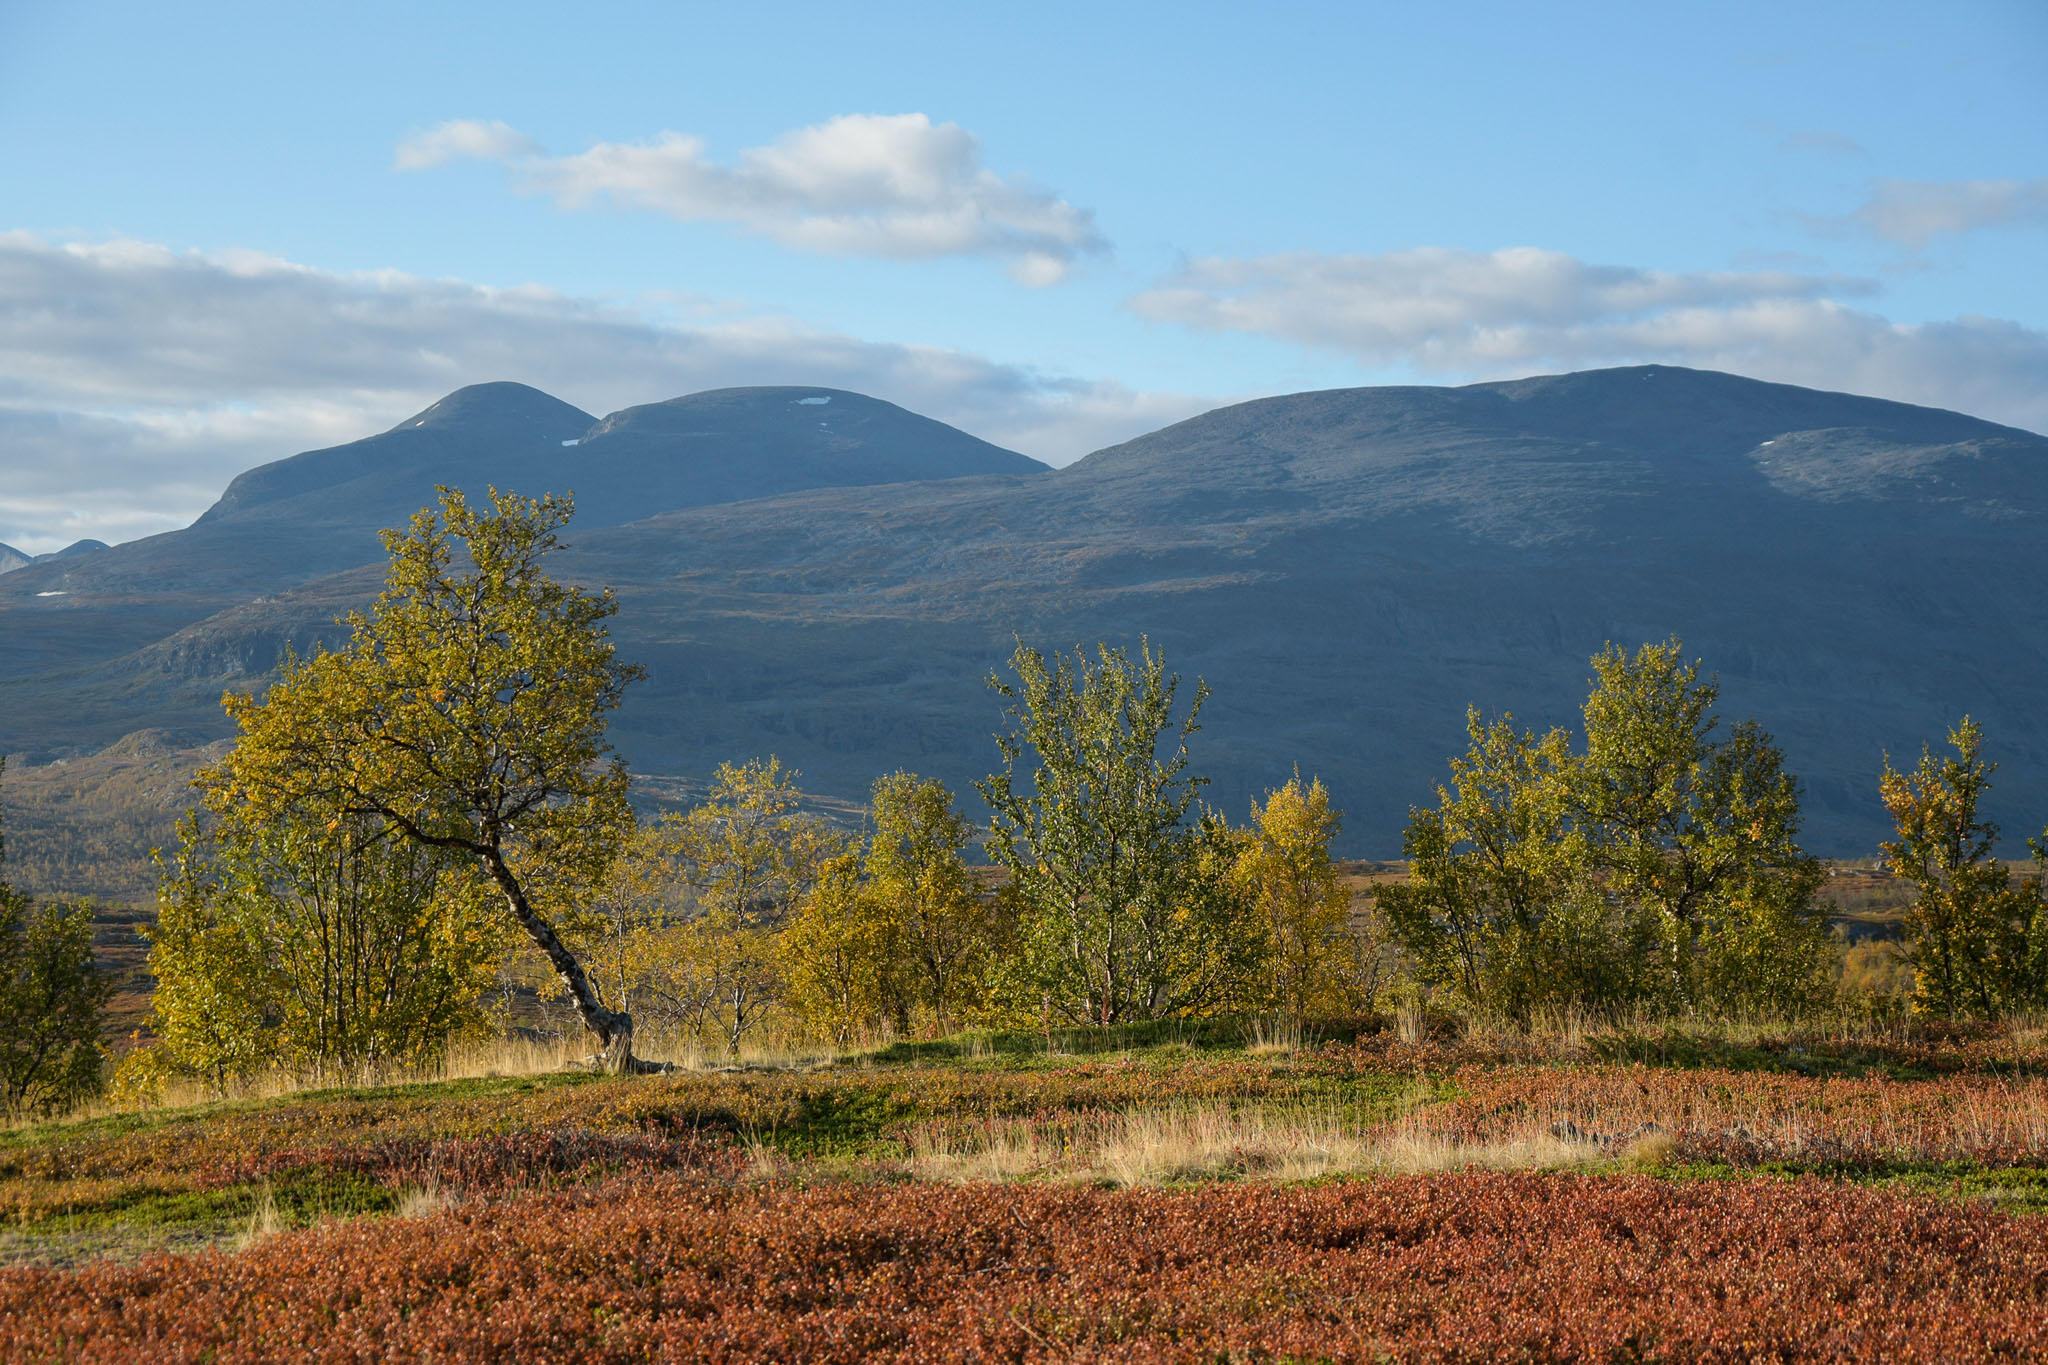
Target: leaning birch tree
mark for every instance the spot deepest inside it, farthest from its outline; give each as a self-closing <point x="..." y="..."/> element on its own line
<point x="466" y="713"/>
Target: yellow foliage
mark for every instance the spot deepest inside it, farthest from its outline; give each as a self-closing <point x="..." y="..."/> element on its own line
<point x="1311" y="964"/>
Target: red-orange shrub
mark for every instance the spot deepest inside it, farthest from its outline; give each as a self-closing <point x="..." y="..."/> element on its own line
<point x="1475" y="1267"/>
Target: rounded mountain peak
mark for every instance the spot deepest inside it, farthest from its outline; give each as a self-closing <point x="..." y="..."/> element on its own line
<point x="501" y="408"/>
<point x="811" y="414"/>
<point x="727" y="445"/>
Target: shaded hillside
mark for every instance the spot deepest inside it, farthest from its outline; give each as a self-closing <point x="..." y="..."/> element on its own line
<point x="319" y="513"/>
<point x="11" y="558"/>
<point x="1349" y="569"/>
<point x="719" y="446"/>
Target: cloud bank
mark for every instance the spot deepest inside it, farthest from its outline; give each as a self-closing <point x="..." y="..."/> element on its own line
<point x="1518" y="311"/>
<point x="897" y="186"/>
<point x="135" y="381"/>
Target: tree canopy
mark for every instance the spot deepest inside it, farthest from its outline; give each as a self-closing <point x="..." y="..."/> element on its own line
<point x="51" y="1000"/>
<point x="1976" y="937"/>
<point x="466" y="713"/>
<point x="1126" y="913"/>
<point x="1659" y="864"/>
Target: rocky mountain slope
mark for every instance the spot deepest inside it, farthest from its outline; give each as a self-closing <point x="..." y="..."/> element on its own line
<point x="1348" y="569"/>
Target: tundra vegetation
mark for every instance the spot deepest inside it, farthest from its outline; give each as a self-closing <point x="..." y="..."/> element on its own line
<point x="1245" y="1104"/>
<point x="50" y="1001"/>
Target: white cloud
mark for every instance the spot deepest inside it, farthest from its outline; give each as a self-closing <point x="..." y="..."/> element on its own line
<point x="1915" y="212"/>
<point x="1503" y="313"/>
<point x="462" y="139"/>
<point x="897" y="186"/>
<point x="135" y="381"/>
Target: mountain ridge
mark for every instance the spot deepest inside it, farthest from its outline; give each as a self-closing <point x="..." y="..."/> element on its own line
<point x="1348" y="569"/>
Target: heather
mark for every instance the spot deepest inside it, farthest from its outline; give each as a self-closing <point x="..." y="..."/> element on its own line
<point x="1472" y="1267"/>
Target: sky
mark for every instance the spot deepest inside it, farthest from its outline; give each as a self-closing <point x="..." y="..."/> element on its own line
<point x="232" y="232"/>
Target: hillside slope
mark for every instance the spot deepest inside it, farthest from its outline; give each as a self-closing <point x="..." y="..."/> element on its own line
<point x="320" y="512"/>
<point x="1349" y="569"/>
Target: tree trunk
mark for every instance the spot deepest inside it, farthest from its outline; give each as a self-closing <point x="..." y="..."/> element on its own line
<point x="617" y="1058"/>
<point x="614" y="1028"/>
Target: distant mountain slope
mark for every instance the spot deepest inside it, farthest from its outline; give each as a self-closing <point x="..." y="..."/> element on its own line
<point x="74" y="549"/>
<point x="483" y="431"/>
<point x="319" y="512"/>
<point x="11" y="558"/>
<point x="1349" y="569"/>
<point x="732" y="444"/>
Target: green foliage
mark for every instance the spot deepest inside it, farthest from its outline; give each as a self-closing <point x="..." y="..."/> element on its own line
<point x="1660" y="866"/>
<point x="319" y="945"/>
<point x="51" y="999"/>
<point x="213" y="978"/>
<point x="1978" y="940"/>
<point x="466" y="715"/>
<point x="1124" y="912"/>
<point x="1499" y="910"/>
<point x="1699" y="836"/>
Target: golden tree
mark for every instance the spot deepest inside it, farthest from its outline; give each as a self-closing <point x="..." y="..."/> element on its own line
<point x="743" y="859"/>
<point x="466" y="713"/>
<point x="1312" y="963"/>
<point x="944" y="927"/>
<point x="319" y="943"/>
<point x="1977" y="940"/>
<point x="842" y="955"/>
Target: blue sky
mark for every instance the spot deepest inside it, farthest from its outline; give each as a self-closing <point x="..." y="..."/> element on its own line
<point x="231" y="232"/>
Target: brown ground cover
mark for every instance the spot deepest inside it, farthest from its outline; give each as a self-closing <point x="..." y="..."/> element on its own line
<point x="1750" y="1118"/>
<point x="1464" y="1267"/>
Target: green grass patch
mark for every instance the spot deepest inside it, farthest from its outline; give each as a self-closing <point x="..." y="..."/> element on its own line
<point x="299" y="1198"/>
<point x="2017" y="1189"/>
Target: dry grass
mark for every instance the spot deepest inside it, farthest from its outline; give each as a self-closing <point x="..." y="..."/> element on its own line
<point x="1411" y="1025"/>
<point x="425" y="1200"/>
<point x="1180" y="1144"/>
<point x="477" y="1059"/>
<point x="1276" y="1037"/>
<point x="265" y="1222"/>
<point x="1512" y="1118"/>
<point x="1005" y="1151"/>
<point x="765" y="1162"/>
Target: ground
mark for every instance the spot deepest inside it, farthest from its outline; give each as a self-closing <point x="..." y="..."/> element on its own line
<point x="1169" y="1192"/>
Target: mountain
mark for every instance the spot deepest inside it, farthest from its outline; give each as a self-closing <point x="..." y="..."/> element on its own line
<point x="74" y="549"/>
<point x="320" y="512"/>
<point x="11" y="558"/>
<point x="720" y="446"/>
<point x="1347" y="569"/>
